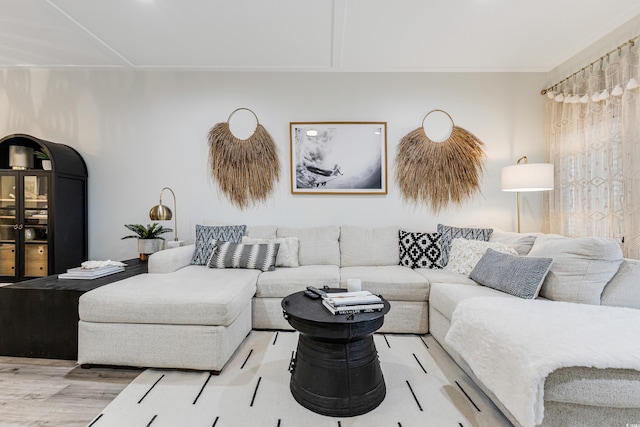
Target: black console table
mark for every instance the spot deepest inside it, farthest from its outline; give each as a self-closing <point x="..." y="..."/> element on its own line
<point x="39" y="317"/>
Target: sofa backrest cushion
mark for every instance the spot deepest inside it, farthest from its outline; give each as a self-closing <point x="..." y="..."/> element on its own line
<point x="261" y="231"/>
<point x="368" y="246"/>
<point x="581" y="268"/>
<point x="521" y="242"/>
<point x="318" y="245"/>
<point x="624" y="289"/>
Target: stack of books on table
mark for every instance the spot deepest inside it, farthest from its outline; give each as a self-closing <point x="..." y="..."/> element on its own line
<point x="90" y="273"/>
<point x="352" y="302"/>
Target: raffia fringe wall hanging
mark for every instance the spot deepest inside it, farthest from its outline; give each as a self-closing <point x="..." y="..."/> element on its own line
<point x="246" y="170"/>
<point x="439" y="173"/>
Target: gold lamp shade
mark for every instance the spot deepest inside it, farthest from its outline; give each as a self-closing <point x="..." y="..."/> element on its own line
<point x="161" y="212"/>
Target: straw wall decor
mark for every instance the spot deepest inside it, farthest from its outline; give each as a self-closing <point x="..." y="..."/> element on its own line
<point x="246" y="170"/>
<point x="439" y="173"/>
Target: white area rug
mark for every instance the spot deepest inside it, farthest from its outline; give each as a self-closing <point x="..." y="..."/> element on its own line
<point x="424" y="388"/>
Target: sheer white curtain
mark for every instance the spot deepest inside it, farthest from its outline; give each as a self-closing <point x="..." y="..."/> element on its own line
<point x="593" y="139"/>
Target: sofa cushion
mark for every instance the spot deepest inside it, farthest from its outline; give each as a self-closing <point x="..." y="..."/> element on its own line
<point x="465" y="254"/>
<point x="368" y="246"/>
<point x="194" y="295"/>
<point x="445" y="276"/>
<point x="624" y="289"/>
<point x="516" y="275"/>
<point x="284" y="281"/>
<point x="318" y="245"/>
<point x="521" y="242"/>
<point x="581" y="268"/>
<point x="206" y="233"/>
<point x="287" y="251"/>
<point x="445" y="297"/>
<point x="237" y="255"/>
<point x="419" y="250"/>
<point x="394" y="282"/>
<point x="449" y="233"/>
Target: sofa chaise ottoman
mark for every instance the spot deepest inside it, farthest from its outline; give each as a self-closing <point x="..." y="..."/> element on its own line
<point x="190" y="319"/>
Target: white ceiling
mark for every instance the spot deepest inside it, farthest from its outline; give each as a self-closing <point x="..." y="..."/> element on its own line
<point x="296" y="35"/>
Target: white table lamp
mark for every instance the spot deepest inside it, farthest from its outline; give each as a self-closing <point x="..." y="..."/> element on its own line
<point x="525" y="176"/>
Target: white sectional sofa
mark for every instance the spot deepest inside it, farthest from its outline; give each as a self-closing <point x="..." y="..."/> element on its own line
<point x="194" y="317"/>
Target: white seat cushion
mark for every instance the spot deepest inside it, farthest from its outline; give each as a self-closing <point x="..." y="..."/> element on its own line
<point x="434" y="275"/>
<point x="285" y="281"/>
<point x="393" y="282"/>
<point x="194" y="295"/>
<point x="444" y="297"/>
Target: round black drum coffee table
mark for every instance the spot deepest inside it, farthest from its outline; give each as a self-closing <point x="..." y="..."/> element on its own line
<point x="336" y="370"/>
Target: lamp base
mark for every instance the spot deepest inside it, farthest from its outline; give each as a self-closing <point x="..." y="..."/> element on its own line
<point x="174" y="243"/>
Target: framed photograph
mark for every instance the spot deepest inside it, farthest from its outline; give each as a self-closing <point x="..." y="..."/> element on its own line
<point x="338" y="157"/>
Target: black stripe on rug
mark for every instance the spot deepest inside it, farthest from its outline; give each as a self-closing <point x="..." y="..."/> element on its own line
<point x="275" y="339"/>
<point x="415" y="397"/>
<point x="247" y="359"/>
<point x="421" y="367"/>
<point x="424" y="342"/>
<point x="152" y="420"/>
<point x="96" y="420"/>
<point x="149" y="391"/>
<point x="202" y="388"/>
<point x="215" y="422"/>
<point x="387" y="341"/>
<point x="255" y="392"/>
<point x="468" y="397"/>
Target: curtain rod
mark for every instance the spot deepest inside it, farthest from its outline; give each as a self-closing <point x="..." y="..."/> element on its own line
<point x="631" y="42"/>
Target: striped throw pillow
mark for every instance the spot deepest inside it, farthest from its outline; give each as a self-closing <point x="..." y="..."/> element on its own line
<point x="237" y="255"/>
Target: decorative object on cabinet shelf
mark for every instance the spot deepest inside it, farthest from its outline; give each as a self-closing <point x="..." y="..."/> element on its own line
<point x="246" y="170"/>
<point x="524" y="176"/>
<point x="20" y="158"/>
<point x="149" y="237"/>
<point x="161" y="212"/>
<point x="44" y="158"/>
<point x="439" y="171"/>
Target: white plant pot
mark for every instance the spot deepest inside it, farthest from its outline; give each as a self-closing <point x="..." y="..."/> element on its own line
<point x="46" y="165"/>
<point x="148" y="246"/>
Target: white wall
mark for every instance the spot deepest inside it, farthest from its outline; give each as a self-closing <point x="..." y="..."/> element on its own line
<point x="139" y="131"/>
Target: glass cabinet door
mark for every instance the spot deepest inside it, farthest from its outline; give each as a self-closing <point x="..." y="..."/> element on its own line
<point x="8" y="225"/>
<point x="35" y="228"/>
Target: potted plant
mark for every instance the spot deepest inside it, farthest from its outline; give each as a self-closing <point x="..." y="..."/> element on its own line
<point x="148" y="237"/>
<point x="46" y="161"/>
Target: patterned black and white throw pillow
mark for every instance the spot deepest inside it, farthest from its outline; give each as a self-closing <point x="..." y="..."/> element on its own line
<point x="420" y="250"/>
<point x="260" y="256"/>
<point x="206" y="234"/>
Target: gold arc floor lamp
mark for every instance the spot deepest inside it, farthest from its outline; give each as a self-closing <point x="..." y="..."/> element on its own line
<point x="161" y="212"/>
<point x="525" y="177"/>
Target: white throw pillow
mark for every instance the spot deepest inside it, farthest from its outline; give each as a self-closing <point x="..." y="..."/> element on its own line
<point x="287" y="253"/>
<point x="465" y="254"/>
<point x="582" y="266"/>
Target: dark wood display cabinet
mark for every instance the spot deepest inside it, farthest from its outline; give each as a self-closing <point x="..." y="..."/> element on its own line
<point x="43" y="212"/>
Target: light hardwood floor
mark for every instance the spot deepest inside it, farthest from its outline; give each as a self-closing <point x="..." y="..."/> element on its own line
<point x="44" y="392"/>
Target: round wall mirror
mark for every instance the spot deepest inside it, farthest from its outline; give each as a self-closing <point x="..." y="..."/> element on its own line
<point x="243" y="123"/>
<point x="437" y="125"/>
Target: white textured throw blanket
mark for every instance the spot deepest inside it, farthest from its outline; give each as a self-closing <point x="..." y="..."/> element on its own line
<point x="512" y="345"/>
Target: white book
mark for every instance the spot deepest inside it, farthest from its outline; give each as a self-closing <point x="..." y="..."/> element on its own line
<point x="349" y="309"/>
<point x="353" y="298"/>
<point x="90" y="274"/>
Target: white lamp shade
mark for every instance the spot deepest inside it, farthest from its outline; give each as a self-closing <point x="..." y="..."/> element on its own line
<point x="528" y="177"/>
